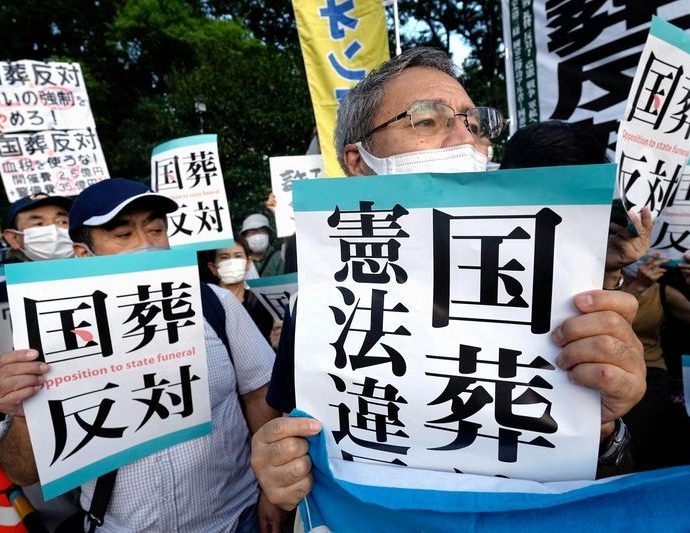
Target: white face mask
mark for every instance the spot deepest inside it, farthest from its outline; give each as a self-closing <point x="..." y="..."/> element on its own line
<point x="258" y="242"/>
<point x="47" y="242"/>
<point x="144" y="248"/>
<point x="232" y="271"/>
<point x="460" y="158"/>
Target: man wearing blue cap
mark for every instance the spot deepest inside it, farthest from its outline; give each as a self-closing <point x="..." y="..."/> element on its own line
<point x="205" y="484"/>
<point x="36" y="228"/>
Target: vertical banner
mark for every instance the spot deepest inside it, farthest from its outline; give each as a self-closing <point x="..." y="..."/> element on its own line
<point x="274" y="292"/>
<point x="285" y="170"/>
<point x="188" y="171"/>
<point x="48" y="140"/>
<point x="341" y="42"/>
<point x="425" y="310"/>
<point x="124" y="338"/>
<point x="653" y="144"/>
<point x="575" y="61"/>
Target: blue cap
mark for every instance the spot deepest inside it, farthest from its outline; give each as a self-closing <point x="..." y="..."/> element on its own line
<point x="101" y="202"/>
<point x="31" y="202"/>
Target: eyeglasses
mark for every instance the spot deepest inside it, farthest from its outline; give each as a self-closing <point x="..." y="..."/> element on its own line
<point x="433" y="118"/>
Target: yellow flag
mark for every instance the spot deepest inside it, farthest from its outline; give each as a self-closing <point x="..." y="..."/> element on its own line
<point x="342" y="40"/>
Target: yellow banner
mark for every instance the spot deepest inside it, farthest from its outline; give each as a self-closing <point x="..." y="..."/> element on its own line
<point x="342" y="40"/>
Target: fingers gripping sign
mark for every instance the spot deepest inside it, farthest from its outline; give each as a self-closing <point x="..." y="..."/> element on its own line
<point x="21" y="376"/>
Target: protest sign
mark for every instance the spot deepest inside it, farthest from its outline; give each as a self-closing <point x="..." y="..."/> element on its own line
<point x="672" y="227"/>
<point x="425" y="307"/>
<point x="341" y="43"/>
<point x="274" y="292"/>
<point x="5" y="324"/>
<point x="653" y="144"/>
<point x="285" y="170"/>
<point x="686" y="382"/>
<point x="54" y="162"/>
<point x="575" y="61"/>
<point x="188" y="171"/>
<point x="124" y="339"/>
<point x="38" y="96"/>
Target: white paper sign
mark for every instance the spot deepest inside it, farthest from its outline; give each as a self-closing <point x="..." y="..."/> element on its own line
<point x="274" y="292"/>
<point x="37" y="96"/>
<point x="425" y="309"/>
<point x="653" y="145"/>
<point x="188" y="171"/>
<point x="124" y="338"/>
<point x="671" y="233"/>
<point x="285" y="170"/>
<point x="53" y="162"/>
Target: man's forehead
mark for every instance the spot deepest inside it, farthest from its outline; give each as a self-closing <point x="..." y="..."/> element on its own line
<point x="422" y="83"/>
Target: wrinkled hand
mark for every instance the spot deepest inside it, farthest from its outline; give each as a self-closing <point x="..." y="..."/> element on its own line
<point x="274" y="337"/>
<point x="624" y="248"/>
<point x="685" y="268"/>
<point x="601" y="351"/>
<point x="271" y="517"/>
<point x="280" y="460"/>
<point x="651" y="270"/>
<point x="20" y="378"/>
<point x="271" y="203"/>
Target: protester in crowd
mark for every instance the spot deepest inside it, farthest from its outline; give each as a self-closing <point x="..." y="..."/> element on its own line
<point x="265" y="254"/>
<point x="35" y="228"/>
<point x="209" y="485"/>
<point x="411" y="114"/>
<point x="230" y="266"/>
<point x="660" y="428"/>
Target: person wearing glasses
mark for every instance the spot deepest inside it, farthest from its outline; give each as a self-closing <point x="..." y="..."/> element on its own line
<point x="410" y="115"/>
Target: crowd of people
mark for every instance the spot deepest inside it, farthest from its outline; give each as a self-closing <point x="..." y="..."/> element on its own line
<point x="411" y="114"/>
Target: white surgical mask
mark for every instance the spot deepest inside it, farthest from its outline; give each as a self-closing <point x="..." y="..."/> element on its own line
<point x="460" y="158"/>
<point x="232" y="271"/>
<point x="146" y="248"/>
<point x="47" y="242"/>
<point x="258" y="242"/>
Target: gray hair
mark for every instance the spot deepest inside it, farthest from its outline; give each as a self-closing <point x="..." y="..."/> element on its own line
<point x="357" y="109"/>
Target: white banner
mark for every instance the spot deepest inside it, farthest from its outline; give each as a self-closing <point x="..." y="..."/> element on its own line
<point x="37" y="95"/>
<point x="425" y="309"/>
<point x="124" y="338"/>
<point x="188" y="171"/>
<point x="285" y="170"/>
<point x="575" y="61"/>
<point x="53" y="162"/>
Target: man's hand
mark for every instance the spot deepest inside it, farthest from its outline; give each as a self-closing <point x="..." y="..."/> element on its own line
<point x="21" y="376"/>
<point x="623" y="247"/>
<point x="280" y="460"/>
<point x="601" y="351"/>
<point x="271" y="517"/>
<point x="275" y="334"/>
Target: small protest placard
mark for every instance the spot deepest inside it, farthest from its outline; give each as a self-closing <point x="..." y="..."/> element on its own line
<point x="274" y="292"/>
<point x="124" y="339"/>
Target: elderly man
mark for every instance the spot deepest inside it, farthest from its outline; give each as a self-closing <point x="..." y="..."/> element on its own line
<point x="208" y="481"/>
<point x="36" y="228"/>
<point x="411" y="115"/>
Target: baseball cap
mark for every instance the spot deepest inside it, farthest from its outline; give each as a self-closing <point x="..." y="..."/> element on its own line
<point x="255" y="221"/>
<point x="32" y="201"/>
<point x="101" y="202"/>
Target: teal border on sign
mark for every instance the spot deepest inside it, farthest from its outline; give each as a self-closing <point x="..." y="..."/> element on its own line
<point x="673" y="35"/>
<point x="579" y="185"/>
<point x="185" y="141"/>
<point x="686" y="361"/>
<point x="283" y="279"/>
<point x="205" y="245"/>
<point x="77" y="268"/>
<point x="2" y="270"/>
<point x="92" y="471"/>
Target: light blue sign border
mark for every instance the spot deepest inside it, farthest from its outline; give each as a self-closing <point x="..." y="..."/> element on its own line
<point x="92" y="471"/>
<point x="185" y="141"/>
<point x="282" y="279"/>
<point x="673" y="35"/>
<point x="96" y="266"/>
<point x="582" y="185"/>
